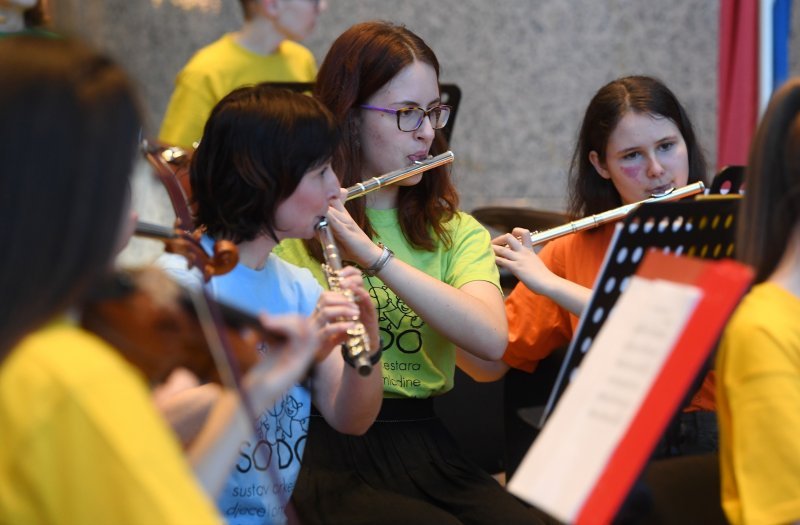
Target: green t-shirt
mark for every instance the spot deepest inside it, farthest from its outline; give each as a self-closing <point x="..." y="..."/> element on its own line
<point x="417" y="361"/>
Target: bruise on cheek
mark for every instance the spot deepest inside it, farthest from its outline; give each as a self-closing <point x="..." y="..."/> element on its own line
<point x="632" y="172"/>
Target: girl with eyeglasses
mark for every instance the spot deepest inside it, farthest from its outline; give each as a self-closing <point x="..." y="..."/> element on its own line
<point x="431" y="273"/>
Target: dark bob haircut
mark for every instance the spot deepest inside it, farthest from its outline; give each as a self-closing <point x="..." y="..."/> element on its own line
<point x="257" y="145"/>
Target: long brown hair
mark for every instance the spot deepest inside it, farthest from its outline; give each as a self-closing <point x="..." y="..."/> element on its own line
<point x="589" y="193"/>
<point x="69" y="122"/>
<point x="359" y="63"/>
<point x="771" y="207"/>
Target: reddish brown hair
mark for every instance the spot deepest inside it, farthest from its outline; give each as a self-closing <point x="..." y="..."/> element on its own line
<point x="359" y="63"/>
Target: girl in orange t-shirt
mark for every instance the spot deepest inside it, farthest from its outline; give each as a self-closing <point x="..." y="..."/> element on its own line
<point x="636" y="140"/>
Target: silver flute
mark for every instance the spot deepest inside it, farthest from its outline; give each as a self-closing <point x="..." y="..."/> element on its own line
<point x="357" y="344"/>
<point x="362" y="188"/>
<point x="593" y="221"/>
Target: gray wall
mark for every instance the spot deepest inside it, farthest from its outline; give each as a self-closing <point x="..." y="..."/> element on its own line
<point x="527" y="69"/>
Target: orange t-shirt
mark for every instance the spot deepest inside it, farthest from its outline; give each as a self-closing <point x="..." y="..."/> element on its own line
<point x="537" y="325"/>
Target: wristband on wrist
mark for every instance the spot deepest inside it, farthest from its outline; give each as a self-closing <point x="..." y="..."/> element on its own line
<point x="378" y="265"/>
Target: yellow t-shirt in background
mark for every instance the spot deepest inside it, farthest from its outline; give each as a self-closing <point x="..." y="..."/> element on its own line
<point x="219" y="68"/>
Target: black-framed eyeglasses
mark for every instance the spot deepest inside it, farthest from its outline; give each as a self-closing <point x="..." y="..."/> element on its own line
<point x="410" y="119"/>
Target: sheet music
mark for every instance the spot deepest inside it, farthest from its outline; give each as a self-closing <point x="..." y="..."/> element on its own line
<point x="562" y="466"/>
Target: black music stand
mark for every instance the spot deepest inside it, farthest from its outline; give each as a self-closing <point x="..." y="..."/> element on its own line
<point x="450" y="94"/>
<point x="728" y="180"/>
<point x="703" y="228"/>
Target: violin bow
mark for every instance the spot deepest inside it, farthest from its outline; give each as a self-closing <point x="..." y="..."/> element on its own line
<point x="211" y="321"/>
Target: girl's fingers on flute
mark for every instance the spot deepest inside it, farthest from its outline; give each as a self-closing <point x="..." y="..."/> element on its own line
<point x="524" y="236"/>
<point x="503" y="253"/>
<point x="504" y="240"/>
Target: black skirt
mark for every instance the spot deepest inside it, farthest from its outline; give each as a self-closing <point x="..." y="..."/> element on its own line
<point x="406" y="469"/>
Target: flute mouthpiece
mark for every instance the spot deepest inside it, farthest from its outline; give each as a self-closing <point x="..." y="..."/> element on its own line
<point x="662" y="193"/>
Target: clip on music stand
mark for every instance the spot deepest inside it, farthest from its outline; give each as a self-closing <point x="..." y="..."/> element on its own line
<point x="656" y="339"/>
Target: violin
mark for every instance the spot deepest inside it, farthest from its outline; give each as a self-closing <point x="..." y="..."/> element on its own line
<point x="155" y="324"/>
<point x="158" y="325"/>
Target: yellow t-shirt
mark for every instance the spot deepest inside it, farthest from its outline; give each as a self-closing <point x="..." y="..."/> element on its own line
<point x="218" y="69"/>
<point x="81" y="443"/>
<point x="758" y="408"/>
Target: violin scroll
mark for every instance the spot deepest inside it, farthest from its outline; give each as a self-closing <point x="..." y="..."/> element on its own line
<point x="225" y="259"/>
<point x="187" y="244"/>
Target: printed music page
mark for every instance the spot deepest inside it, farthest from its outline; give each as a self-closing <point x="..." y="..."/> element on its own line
<point x="567" y="458"/>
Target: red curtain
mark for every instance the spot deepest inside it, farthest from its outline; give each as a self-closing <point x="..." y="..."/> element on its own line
<point x="738" y="80"/>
